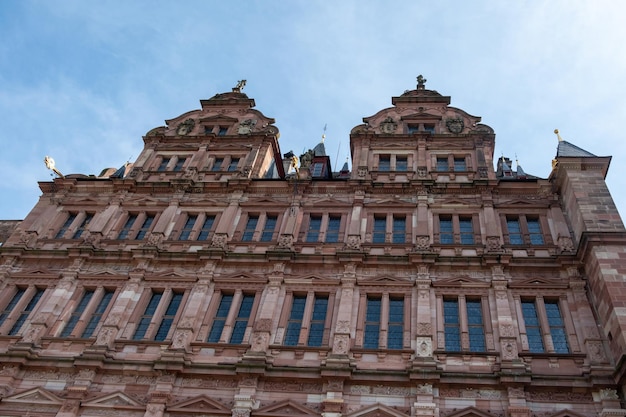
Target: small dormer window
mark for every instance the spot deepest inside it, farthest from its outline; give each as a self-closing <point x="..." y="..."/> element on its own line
<point x="222" y="131"/>
<point x="413" y="129"/>
<point x="429" y="127"/>
<point x="318" y="169"/>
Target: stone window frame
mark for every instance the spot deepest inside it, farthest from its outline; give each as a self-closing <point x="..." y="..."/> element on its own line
<point x="451" y="156"/>
<point x="156" y="317"/>
<point x="238" y="292"/>
<point x="522" y="218"/>
<point x="305" y="323"/>
<point x="259" y="230"/>
<point x="322" y="233"/>
<point x="456" y="227"/>
<point x="19" y="313"/>
<point x="390" y="218"/>
<point x="85" y="317"/>
<point x="409" y="156"/>
<point x="172" y="164"/>
<point x="197" y="228"/>
<point x="461" y="297"/>
<point x="226" y="159"/>
<point x="132" y="232"/>
<point x="367" y="292"/>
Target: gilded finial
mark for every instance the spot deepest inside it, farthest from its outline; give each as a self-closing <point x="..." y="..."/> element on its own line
<point x="240" y="85"/>
<point x="51" y="166"/>
<point x="556" y="132"/>
<point x="324" y="134"/>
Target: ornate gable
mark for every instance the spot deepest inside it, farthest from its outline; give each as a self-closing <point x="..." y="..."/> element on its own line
<point x="461" y="282"/>
<point x="114" y="400"/>
<point x="377" y="410"/>
<point x="285" y="408"/>
<point x="34" y="396"/>
<point x="470" y="412"/>
<point x="201" y="405"/>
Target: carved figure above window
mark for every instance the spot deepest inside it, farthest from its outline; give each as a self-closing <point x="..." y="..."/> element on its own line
<point x="455" y="124"/>
<point x="185" y="127"/>
<point x="246" y="126"/>
<point x="388" y="125"/>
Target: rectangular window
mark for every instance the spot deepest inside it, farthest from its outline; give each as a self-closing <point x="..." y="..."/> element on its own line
<point x="384" y="163"/>
<point x="395" y="331"/>
<point x="459" y="164"/>
<point x="466" y="230"/>
<point x="413" y="129"/>
<point x="557" y="326"/>
<point x="83" y="226"/>
<point x="372" y="323"/>
<point x="146" y="318"/>
<point x="241" y="322"/>
<point x="402" y="163"/>
<point x="251" y="224"/>
<point x="222" y="131"/>
<point x="26" y="312"/>
<point x="452" y="325"/>
<point x="179" y="164"/>
<point x="399" y="230"/>
<point x="380" y="229"/>
<point x="475" y="326"/>
<point x="234" y="162"/>
<point x="163" y="165"/>
<point x="70" y="219"/>
<point x="515" y="232"/>
<point x="332" y="231"/>
<point x="145" y="227"/>
<point x="97" y="314"/>
<point x="318" y="169"/>
<point x="80" y="308"/>
<point x="217" y="165"/>
<point x="446" y="232"/>
<point x="318" y="320"/>
<point x="430" y="128"/>
<point x="168" y="318"/>
<point x="9" y="308"/>
<point x="533" y="328"/>
<point x="188" y="227"/>
<point x="206" y="227"/>
<point x="534" y="232"/>
<point x="315" y="224"/>
<point x="442" y="164"/>
<point x="220" y="318"/>
<point x="294" y="325"/>
<point x="268" y="231"/>
<point x="127" y="227"/>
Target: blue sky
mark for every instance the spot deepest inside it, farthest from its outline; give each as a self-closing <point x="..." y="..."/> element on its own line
<point x="84" y="81"/>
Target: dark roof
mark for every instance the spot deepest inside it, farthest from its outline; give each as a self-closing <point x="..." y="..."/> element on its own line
<point x="566" y="149"/>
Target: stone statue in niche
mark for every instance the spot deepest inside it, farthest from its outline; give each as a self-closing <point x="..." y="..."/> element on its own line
<point x="246" y="126"/>
<point x="185" y="127"/>
<point x="388" y="125"/>
<point x="455" y="124"/>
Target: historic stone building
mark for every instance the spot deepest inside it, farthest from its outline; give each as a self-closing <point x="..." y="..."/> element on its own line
<point x="216" y="276"/>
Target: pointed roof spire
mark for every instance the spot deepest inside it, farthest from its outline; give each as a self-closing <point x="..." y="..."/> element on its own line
<point x="566" y="149"/>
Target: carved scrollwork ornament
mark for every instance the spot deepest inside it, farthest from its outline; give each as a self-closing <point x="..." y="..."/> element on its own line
<point x="455" y="125"/>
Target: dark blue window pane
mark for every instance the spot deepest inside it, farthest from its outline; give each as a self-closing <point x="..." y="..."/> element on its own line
<point x="384" y="163"/>
<point x="515" y="232"/>
<point x="452" y="331"/>
<point x="146" y="318"/>
<point x="82" y="305"/>
<point x="557" y="327"/>
<point x="145" y="227"/>
<point x="467" y="231"/>
<point x="294" y="325"/>
<point x="459" y="164"/>
<point x="534" y="230"/>
<point x="372" y="323"/>
<point x="188" y="227"/>
<point x="9" y="308"/>
<point x="220" y="318"/>
<point x="65" y="226"/>
<point x="127" y="226"/>
<point x="241" y="322"/>
<point x="97" y="315"/>
<point x="179" y="164"/>
<point x="268" y="231"/>
<point x="168" y="318"/>
<point x="250" y="228"/>
<point x="206" y="228"/>
<point x="395" y="332"/>
<point x="399" y="229"/>
<point x="401" y="163"/>
<point x="475" y="326"/>
<point x="314" y="229"/>
<point x="332" y="232"/>
<point x="217" y="165"/>
<point x="234" y="162"/>
<point x="318" y="318"/>
<point x="163" y="165"/>
<point x="442" y="164"/>
<point x="29" y="308"/>
<point x="533" y="331"/>
<point x="83" y="226"/>
<point x="445" y="231"/>
<point x="380" y="227"/>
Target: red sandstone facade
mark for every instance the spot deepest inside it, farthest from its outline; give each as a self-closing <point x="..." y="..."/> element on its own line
<point x="212" y="278"/>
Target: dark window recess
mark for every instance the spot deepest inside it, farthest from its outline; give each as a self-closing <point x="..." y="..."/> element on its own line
<point x="146" y="318"/>
<point x="188" y="227"/>
<point x="66" y="225"/>
<point x="97" y="314"/>
<point x="332" y="232"/>
<point x="248" y="233"/>
<point x="127" y="226"/>
<point x="234" y="162"/>
<point x="268" y="231"/>
<point x="217" y="165"/>
<point x="315" y="223"/>
<point x="316" y="328"/>
<point x="179" y="164"/>
<point x="164" y="163"/>
<point x="26" y="312"/>
<point x="206" y="228"/>
<point x="83" y="226"/>
<point x="145" y="227"/>
<point x="241" y="322"/>
<point x="442" y="164"/>
<point x="80" y="308"/>
<point x="384" y="163"/>
<point x="9" y="308"/>
<point x="168" y="318"/>
<point x="220" y="318"/>
<point x="294" y="324"/>
<point x="395" y="332"/>
<point x="372" y="323"/>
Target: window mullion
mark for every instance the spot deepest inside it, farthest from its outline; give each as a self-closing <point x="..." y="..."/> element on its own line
<point x="232" y="316"/>
<point x="306" y="319"/>
<point x="384" y="321"/>
<point x="463" y="323"/>
<point x="440" y="323"/>
<point x="89" y="310"/>
<point x="545" y="326"/>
